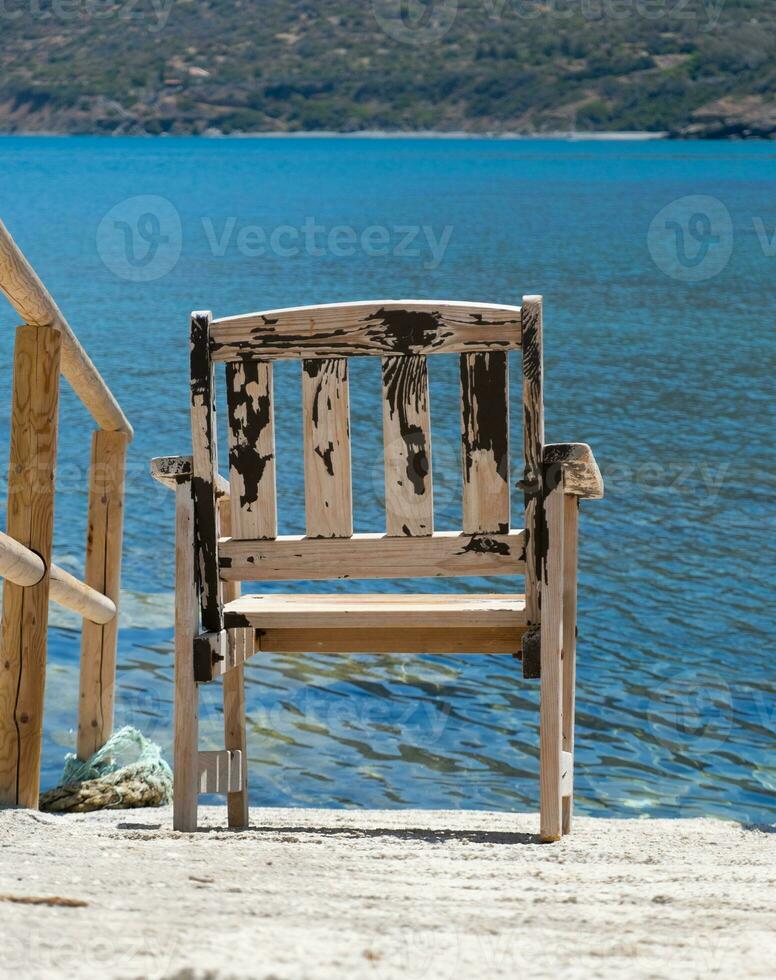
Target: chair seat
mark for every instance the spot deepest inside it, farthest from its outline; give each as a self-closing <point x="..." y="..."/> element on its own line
<point x="391" y="611"/>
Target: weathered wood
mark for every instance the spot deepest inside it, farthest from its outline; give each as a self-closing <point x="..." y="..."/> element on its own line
<point x="409" y="507"/>
<point x="70" y="592"/>
<point x="204" y="472"/>
<point x="18" y="564"/>
<point x="186" y="718"/>
<point x="25" y="568"/>
<point x="533" y="444"/>
<point x="211" y="655"/>
<point x="35" y="306"/>
<point x="30" y="520"/>
<point x="99" y="638"/>
<point x="378" y="327"/>
<point x="393" y="640"/>
<point x="240" y="647"/>
<point x="326" y="424"/>
<point x="365" y="556"/>
<point x="383" y="611"/>
<point x="575" y="460"/>
<point x="485" y="441"/>
<point x="220" y="771"/>
<point x="251" y="449"/>
<point x="570" y="548"/>
<point x="550" y="710"/>
<point x="531" y="652"/>
<point x="172" y="470"/>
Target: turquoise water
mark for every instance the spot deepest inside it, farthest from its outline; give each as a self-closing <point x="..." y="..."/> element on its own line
<point x="657" y="263"/>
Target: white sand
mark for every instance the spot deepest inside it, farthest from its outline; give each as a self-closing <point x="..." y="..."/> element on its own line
<point x="321" y="893"/>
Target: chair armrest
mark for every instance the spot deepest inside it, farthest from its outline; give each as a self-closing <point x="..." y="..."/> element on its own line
<point x="172" y="470"/>
<point x="581" y="476"/>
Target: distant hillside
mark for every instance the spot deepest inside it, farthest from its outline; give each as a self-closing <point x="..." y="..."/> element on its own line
<point x="688" y="67"/>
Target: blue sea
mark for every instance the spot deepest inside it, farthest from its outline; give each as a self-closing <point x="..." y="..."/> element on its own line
<point x="657" y="261"/>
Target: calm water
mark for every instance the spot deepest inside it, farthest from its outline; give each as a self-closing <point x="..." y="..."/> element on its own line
<point x="659" y="352"/>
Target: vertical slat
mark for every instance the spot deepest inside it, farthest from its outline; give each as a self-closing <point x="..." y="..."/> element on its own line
<point x="204" y="470"/>
<point x="234" y="689"/>
<point x="570" y="531"/>
<point x="186" y="719"/>
<point x="550" y="710"/>
<point x="485" y="442"/>
<point x="30" y="520"/>
<point x="251" y="449"/>
<point x="102" y="572"/>
<point x="409" y="507"/>
<point x="533" y="443"/>
<point x="327" y="484"/>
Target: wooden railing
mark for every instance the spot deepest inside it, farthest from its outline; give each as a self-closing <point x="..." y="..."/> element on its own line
<point x="45" y="347"/>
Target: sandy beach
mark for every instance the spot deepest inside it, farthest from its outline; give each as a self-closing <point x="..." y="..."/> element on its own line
<point x="324" y="893"/>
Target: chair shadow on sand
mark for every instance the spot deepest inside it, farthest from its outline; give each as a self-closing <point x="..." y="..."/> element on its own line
<point x="408" y="833"/>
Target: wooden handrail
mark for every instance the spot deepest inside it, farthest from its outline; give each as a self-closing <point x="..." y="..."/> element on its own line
<point x="35" y="306"/>
<point x="23" y="567"/>
<point x="18" y="563"/>
<point x="45" y="349"/>
<point x="72" y="593"/>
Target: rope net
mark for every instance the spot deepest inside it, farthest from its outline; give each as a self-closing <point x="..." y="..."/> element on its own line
<point x="128" y="771"/>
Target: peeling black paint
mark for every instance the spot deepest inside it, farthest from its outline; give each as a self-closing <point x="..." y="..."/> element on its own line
<point x="486" y="546"/>
<point x="383" y="330"/>
<point x="236" y="620"/>
<point x="532" y="350"/>
<point x="531" y="653"/>
<point x="405" y="387"/>
<point x="327" y="455"/>
<point x="202" y="483"/>
<point x="485" y="421"/>
<point x="410" y="331"/>
<point x="533" y="438"/>
<point x="248" y="419"/>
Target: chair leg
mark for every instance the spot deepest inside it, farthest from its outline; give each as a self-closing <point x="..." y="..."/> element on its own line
<point x="550" y="711"/>
<point x="570" y="528"/>
<point x="186" y="717"/>
<point x="234" y="738"/>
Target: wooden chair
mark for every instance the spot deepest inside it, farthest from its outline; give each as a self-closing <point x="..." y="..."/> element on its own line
<point x="226" y="533"/>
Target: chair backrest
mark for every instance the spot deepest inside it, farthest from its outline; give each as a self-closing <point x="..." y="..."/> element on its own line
<point x="403" y="333"/>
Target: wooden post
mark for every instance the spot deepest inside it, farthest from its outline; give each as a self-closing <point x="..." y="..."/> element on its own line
<point x="30" y="522"/>
<point x="186" y="717"/>
<point x="550" y="711"/>
<point x="103" y="573"/>
<point x="570" y="534"/>
<point x="234" y="693"/>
